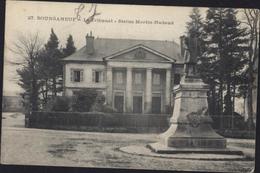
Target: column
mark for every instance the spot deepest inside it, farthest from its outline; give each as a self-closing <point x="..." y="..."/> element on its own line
<point x="129" y="95"/>
<point x="167" y="89"/>
<point x="148" y="90"/>
<point x="109" y="92"/>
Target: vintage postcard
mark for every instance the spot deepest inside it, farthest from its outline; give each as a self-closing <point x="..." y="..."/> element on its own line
<point x="130" y="86"/>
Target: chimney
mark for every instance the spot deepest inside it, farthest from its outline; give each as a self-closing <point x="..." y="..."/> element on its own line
<point x="90" y="43"/>
<point x="182" y="40"/>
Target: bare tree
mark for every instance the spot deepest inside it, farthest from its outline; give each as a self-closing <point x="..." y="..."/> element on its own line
<point x="252" y="17"/>
<point x="28" y="49"/>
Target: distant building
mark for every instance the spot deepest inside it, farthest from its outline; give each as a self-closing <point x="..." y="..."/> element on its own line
<point x="135" y="76"/>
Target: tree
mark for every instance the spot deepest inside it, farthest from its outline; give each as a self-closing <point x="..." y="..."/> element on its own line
<point x="28" y="49"/>
<point x="252" y="20"/>
<point x="234" y="53"/>
<point x="70" y="47"/>
<point x="195" y="28"/>
<point x="84" y="99"/>
<point x="51" y="65"/>
<point x="224" y="54"/>
<point x="195" y="25"/>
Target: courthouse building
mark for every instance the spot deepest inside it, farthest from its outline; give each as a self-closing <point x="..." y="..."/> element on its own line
<point x="135" y="76"/>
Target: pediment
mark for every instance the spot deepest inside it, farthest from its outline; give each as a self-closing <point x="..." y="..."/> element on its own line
<point x="139" y="53"/>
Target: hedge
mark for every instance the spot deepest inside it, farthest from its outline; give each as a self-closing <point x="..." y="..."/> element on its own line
<point x="97" y="121"/>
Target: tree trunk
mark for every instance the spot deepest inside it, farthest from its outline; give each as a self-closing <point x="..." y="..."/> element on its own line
<point x="46" y="89"/>
<point x="233" y="105"/>
<point x="54" y="87"/>
<point x="228" y="101"/>
<point x="34" y="95"/>
<point x="250" y="100"/>
<point x="221" y="104"/>
<point x="213" y="100"/>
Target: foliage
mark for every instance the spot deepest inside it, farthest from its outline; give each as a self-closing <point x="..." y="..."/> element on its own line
<point x="51" y="67"/>
<point x="108" y="109"/>
<point x="39" y="68"/>
<point x="29" y="81"/>
<point x="224" y="55"/>
<point x="70" y="47"/>
<point x="59" y="103"/>
<point x="28" y="48"/>
<point x="98" y="104"/>
<point x="84" y="99"/>
<point x="252" y="21"/>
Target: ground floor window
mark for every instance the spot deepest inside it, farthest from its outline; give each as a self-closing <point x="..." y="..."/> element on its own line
<point x="156" y="104"/>
<point x="119" y="102"/>
<point x="137" y="104"/>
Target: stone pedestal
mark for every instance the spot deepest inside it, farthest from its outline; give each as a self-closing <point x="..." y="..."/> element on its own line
<point x="190" y="129"/>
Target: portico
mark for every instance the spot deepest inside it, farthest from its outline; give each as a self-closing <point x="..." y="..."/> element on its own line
<point x="144" y="86"/>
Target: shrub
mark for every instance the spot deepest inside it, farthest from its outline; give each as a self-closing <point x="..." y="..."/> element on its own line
<point x="59" y="103"/>
<point x="108" y="109"/>
<point x="84" y="99"/>
<point x="98" y="104"/>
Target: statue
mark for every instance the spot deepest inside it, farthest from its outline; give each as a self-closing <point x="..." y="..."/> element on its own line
<point x="191" y="51"/>
<point x="190" y="130"/>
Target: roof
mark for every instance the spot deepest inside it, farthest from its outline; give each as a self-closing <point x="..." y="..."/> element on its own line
<point x="107" y="46"/>
<point x="139" y="46"/>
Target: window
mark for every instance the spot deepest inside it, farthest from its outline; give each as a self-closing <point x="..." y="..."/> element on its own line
<point x="76" y="75"/>
<point x="156" y="79"/>
<point x="119" y="77"/>
<point x="97" y="76"/>
<point x="138" y="78"/>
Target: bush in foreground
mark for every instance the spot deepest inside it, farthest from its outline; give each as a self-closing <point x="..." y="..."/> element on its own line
<point x="59" y="104"/>
<point x="84" y="99"/>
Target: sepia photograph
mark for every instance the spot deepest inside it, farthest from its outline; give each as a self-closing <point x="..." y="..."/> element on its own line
<point x="140" y="87"/>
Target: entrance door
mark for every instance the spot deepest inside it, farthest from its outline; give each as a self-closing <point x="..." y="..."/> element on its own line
<point x="156" y="105"/>
<point x="137" y="104"/>
<point x="119" y="103"/>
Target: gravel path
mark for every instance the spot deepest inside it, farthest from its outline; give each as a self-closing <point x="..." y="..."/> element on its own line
<point x="87" y="149"/>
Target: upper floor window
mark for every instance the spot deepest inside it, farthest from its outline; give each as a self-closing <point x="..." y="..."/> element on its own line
<point x="119" y="77"/>
<point x="76" y="75"/>
<point x="97" y="76"/>
<point x="156" y="78"/>
<point x="138" y="78"/>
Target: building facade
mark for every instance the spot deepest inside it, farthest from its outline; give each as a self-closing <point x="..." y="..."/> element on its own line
<point x="135" y="76"/>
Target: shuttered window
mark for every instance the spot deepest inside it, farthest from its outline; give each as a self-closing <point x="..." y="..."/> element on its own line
<point x="97" y="76"/>
<point x="76" y="75"/>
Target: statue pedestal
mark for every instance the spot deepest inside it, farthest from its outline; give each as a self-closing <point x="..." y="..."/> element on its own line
<point x="190" y="129"/>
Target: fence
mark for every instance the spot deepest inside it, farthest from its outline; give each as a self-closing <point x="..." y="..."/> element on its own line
<point x="96" y="121"/>
<point x="126" y="122"/>
<point x="233" y="126"/>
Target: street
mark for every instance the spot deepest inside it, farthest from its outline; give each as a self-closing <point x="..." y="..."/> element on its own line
<point x="24" y="146"/>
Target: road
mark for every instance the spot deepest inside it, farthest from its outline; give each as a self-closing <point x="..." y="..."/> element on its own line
<point x="24" y="146"/>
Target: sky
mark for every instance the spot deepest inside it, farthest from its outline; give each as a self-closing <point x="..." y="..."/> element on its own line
<point x="26" y="17"/>
<point x="19" y="22"/>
